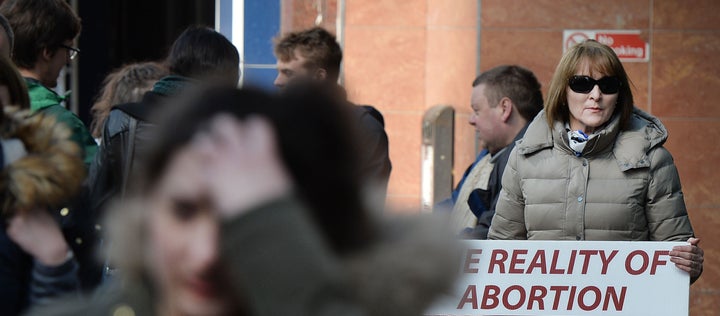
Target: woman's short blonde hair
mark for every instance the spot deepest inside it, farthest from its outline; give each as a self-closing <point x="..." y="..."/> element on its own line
<point x="126" y="84"/>
<point x="602" y="60"/>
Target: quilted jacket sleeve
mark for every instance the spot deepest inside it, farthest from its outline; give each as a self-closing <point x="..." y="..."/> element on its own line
<point x="665" y="209"/>
<point x="509" y="219"/>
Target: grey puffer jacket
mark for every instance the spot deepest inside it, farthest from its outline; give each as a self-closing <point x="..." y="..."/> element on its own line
<point x="624" y="186"/>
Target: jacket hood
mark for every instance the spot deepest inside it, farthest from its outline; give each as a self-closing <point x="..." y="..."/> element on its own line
<point x="630" y="146"/>
<point x="49" y="173"/>
<point x="42" y="97"/>
<point x="414" y="263"/>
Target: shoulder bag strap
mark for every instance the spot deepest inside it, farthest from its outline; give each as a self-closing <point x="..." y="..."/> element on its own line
<point x="129" y="157"/>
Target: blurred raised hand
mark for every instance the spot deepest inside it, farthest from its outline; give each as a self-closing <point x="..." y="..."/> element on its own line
<point x="38" y="234"/>
<point x="243" y="167"/>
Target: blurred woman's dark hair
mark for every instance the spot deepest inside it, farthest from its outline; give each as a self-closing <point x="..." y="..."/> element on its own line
<point x="202" y="53"/>
<point x="5" y="24"/>
<point x="11" y="78"/>
<point x="316" y="141"/>
<point x="16" y="88"/>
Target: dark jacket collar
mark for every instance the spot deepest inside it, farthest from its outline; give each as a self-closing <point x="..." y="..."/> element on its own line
<point x="505" y="152"/>
<point x="172" y="85"/>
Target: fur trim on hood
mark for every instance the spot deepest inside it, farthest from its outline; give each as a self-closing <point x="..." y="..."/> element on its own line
<point x="50" y="173"/>
<point x="416" y="262"/>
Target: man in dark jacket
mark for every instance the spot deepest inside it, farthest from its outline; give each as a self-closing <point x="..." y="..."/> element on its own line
<point x="316" y="55"/>
<point x="504" y="101"/>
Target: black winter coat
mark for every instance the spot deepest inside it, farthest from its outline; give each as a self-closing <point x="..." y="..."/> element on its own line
<point x="116" y="158"/>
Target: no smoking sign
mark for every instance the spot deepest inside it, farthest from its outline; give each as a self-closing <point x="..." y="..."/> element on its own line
<point x="627" y="44"/>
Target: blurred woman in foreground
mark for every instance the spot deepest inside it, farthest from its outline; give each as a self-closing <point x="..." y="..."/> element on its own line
<point x="251" y="205"/>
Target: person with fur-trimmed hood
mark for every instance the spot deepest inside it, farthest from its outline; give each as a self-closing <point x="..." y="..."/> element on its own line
<point x="40" y="168"/>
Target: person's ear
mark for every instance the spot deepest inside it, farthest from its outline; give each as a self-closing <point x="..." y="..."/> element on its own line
<point x="506" y="105"/>
<point x="321" y="74"/>
<point x="47" y="54"/>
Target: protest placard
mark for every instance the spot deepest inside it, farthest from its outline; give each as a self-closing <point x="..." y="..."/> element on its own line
<point x="567" y="278"/>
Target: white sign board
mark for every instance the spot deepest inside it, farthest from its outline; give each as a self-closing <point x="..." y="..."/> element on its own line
<point x="567" y="278"/>
<point x="627" y="44"/>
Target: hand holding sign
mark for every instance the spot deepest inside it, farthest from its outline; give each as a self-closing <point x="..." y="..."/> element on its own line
<point x="689" y="258"/>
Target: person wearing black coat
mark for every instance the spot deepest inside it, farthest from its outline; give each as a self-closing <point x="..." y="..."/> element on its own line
<point x="198" y="54"/>
<point x="315" y="55"/>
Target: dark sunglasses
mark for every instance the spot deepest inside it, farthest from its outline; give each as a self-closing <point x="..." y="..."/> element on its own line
<point x="585" y="84"/>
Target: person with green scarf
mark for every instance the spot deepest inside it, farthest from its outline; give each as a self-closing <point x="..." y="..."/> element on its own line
<point x="44" y="34"/>
<point x="44" y="100"/>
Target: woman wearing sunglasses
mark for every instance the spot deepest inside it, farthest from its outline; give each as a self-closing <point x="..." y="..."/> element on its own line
<point x="592" y="166"/>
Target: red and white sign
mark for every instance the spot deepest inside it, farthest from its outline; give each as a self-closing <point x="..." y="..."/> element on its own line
<point x="567" y="278"/>
<point x="627" y="43"/>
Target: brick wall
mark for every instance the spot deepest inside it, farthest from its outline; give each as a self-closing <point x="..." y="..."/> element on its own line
<point x="406" y="56"/>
